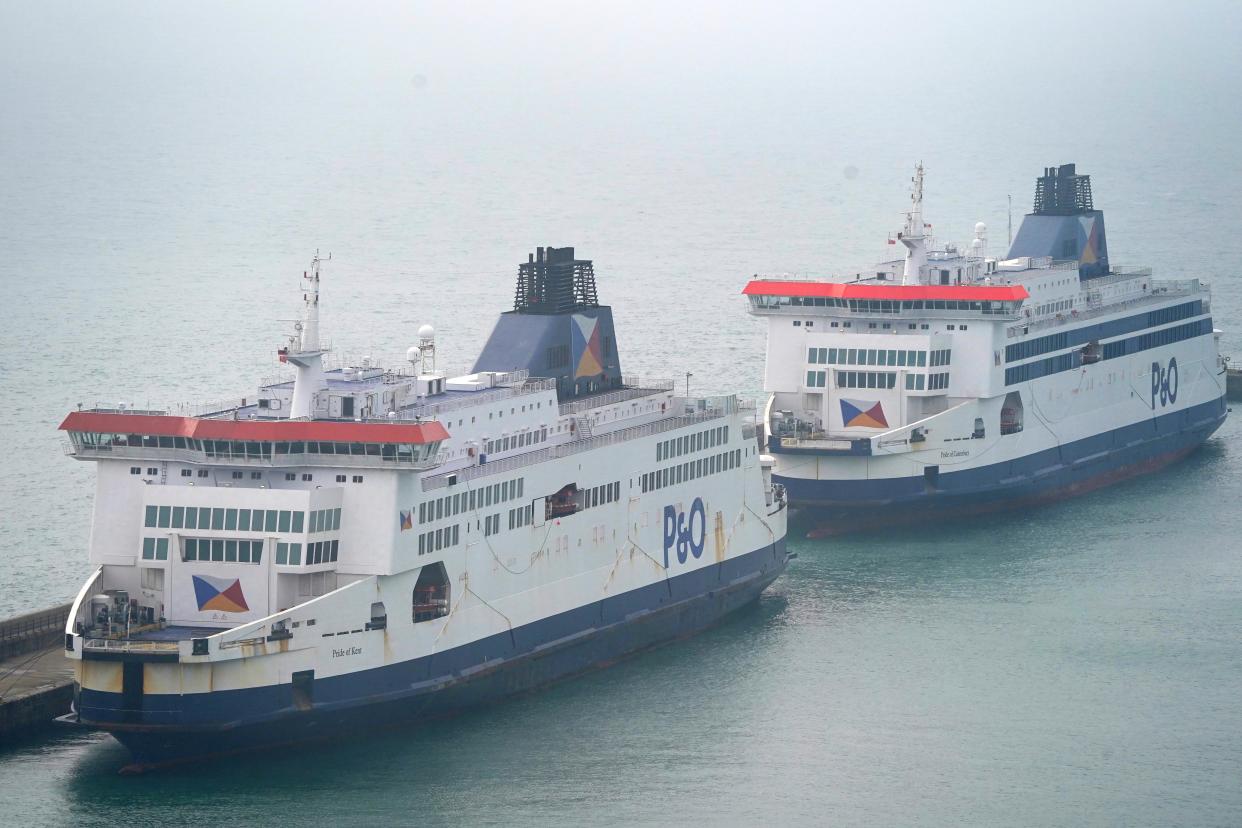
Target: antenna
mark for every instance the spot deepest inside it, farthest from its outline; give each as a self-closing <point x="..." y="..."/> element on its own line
<point x="304" y="350"/>
<point x="1010" y="197"/>
<point x="914" y="235"/>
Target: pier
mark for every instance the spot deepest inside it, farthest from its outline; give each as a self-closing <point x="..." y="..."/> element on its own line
<point x="1233" y="384"/>
<point x="36" y="680"/>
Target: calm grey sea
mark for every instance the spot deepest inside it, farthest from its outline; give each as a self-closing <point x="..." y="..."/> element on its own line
<point x="167" y="172"/>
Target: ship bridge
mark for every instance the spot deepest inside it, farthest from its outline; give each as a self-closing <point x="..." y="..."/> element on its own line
<point x="880" y="296"/>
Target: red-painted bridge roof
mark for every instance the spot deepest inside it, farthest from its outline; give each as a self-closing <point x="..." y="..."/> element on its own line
<point x="871" y="290"/>
<point x="207" y="429"/>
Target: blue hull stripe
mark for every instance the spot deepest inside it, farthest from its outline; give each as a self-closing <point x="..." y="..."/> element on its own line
<point x="1037" y="475"/>
<point x="170" y="728"/>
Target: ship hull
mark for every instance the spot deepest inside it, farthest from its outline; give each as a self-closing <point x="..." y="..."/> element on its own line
<point x="841" y="506"/>
<point x="176" y="729"/>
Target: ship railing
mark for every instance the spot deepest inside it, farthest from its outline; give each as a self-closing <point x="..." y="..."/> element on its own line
<point x="275" y="381"/>
<point x="439" y="481"/>
<point x="801" y="311"/>
<point x="120" y="408"/>
<point x="214" y="408"/>
<point x="126" y="645"/>
<point x="725" y="403"/>
<point x="830" y="443"/>
<point x="1159" y="290"/>
<point x="633" y="391"/>
<point x="517" y="388"/>
<point x="1118" y="274"/>
<point x="268" y="461"/>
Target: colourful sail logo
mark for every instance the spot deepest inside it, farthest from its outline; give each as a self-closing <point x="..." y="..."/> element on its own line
<point x="867" y="413"/>
<point x="587" y="347"/>
<point x="407" y="520"/>
<point x="1090" y="248"/>
<point x="219" y="594"/>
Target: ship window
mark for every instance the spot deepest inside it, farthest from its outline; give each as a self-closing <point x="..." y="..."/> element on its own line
<point x="797" y="323"/>
<point x="151" y="513"/>
<point x="282" y="553"/>
<point x="295" y="554"/>
<point x="135" y="469"/>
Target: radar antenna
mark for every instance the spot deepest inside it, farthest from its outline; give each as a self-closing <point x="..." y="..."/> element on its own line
<point x="304" y="351"/>
<point x="913" y="236"/>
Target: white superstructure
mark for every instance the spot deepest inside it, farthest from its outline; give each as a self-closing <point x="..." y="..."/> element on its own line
<point x="953" y="381"/>
<point x="365" y="544"/>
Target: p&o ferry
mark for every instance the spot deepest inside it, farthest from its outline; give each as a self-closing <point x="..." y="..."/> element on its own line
<point x="361" y="546"/>
<point x="956" y="382"/>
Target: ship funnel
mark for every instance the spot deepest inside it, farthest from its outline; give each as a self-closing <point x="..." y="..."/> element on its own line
<point x="557" y="328"/>
<point x="1064" y="223"/>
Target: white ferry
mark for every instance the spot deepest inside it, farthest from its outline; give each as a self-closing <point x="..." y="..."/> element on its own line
<point x="957" y="383"/>
<point x="361" y="546"/>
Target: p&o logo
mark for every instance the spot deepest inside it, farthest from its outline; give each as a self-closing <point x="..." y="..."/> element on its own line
<point x="685" y="532"/>
<point x="1164" y="383"/>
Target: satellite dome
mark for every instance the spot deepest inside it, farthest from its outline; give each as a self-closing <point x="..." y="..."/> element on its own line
<point x="980" y="228"/>
<point x="426" y="332"/>
<point x="411" y="354"/>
